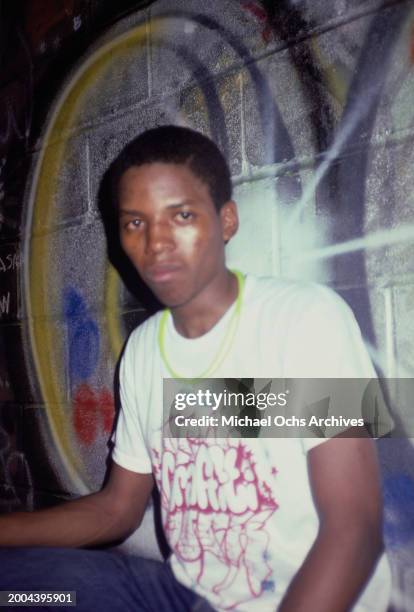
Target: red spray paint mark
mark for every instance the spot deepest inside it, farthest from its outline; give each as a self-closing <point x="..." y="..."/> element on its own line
<point x="261" y="15"/>
<point x="93" y="411"/>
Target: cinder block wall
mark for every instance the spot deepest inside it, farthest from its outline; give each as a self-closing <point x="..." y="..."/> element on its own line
<point x="312" y="102"/>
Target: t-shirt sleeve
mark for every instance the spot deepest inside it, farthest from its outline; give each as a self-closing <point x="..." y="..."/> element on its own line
<point x="327" y="344"/>
<point x="325" y="340"/>
<point x="130" y="450"/>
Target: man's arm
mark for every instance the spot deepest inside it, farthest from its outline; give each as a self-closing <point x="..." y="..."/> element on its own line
<point x="103" y="517"/>
<point x="344" y="477"/>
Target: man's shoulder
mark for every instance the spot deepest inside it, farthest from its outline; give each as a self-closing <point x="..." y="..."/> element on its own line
<point x="291" y="293"/>
<point x="145" y="333"/>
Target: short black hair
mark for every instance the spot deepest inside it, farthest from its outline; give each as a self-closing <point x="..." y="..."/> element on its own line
<point x="172" y="144"/>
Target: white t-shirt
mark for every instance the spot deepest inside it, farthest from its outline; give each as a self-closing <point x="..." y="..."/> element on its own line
<point x="238" y="512"/>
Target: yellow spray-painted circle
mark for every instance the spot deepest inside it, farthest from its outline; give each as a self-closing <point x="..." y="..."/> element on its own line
<point x="37" y="278"/>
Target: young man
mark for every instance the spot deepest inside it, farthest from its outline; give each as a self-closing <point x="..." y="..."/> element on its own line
<point x="253" y="524"/>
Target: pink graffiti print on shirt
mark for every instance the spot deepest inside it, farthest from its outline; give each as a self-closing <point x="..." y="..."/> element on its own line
<point x="215" y="509"/>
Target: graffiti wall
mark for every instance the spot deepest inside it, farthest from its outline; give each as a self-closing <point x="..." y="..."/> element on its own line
<point x="313" y="104"/>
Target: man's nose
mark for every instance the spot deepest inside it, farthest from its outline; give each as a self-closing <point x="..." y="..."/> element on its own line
<point x="159" y="238"/>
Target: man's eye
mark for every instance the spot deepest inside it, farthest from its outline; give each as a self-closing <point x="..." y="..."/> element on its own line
<point x="133" y="224"/>
<point x="185" y="215"/>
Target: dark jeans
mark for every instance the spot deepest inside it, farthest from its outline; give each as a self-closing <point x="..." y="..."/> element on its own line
<point x="103" y="581"/>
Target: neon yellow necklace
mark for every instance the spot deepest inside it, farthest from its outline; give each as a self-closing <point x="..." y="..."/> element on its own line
<point x="224" y="346"/>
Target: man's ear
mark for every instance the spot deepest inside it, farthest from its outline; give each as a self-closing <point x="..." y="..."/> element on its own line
<point x="229" y="220"/>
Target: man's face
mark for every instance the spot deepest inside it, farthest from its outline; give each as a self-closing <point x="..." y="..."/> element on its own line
<point x="172" y="232"/>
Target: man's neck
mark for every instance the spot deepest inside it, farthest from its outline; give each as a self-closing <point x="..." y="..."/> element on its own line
<point x="197" y="318"/>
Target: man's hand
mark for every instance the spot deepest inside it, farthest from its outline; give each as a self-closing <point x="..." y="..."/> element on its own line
<point x="344" y="477"/>
<point x="107" y="516"/>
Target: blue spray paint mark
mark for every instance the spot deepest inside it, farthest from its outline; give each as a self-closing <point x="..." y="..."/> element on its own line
<point x="268" y="585"/>
<point x="83" y="336"/>
<point x="398" y="510"/>
<point x="74" y="306"/>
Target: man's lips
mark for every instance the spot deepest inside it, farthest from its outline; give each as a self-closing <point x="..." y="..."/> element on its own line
<point x="160" y="273"/>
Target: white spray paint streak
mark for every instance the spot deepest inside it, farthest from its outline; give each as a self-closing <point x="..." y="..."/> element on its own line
<point x="361" y="109"/>
<point x="378" y="239"/>
<point x="303" y="239"/>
